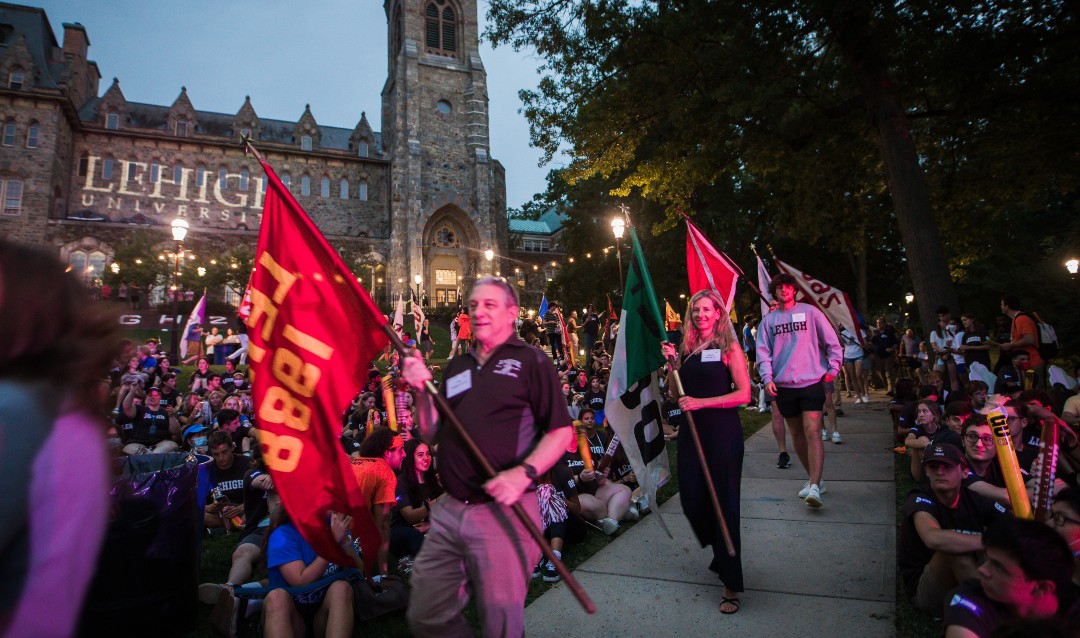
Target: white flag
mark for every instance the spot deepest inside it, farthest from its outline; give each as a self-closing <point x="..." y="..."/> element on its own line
<point x="763" y="279"/>
<point x="834" y="302"/>
<point x="195" y="319"/>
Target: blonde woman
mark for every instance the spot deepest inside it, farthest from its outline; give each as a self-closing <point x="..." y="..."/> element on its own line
<point x="712" y="367"/>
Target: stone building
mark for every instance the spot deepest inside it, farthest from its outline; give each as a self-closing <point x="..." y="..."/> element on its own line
<point x="80" y="172"/>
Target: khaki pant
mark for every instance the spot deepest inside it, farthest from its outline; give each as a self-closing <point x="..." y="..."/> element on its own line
<point x="480" y="549"/>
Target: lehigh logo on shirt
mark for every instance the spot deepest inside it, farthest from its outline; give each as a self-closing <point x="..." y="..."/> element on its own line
<point x="794" y="326"/>
<point x="508" y="367"/>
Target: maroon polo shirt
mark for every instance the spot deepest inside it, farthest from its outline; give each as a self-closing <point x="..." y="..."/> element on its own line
<point x="506" y="406"/>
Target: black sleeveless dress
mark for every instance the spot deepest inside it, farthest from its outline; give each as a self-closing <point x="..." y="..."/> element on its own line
<point x="722" y="441"/>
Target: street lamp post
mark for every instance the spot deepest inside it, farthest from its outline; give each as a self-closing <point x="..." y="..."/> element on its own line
<point x="419" y="279"/>
<point x="179" y="232"/>
<point x="618" y="227"/>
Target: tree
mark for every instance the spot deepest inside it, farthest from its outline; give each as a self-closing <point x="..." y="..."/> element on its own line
<point x="845" y="124"/>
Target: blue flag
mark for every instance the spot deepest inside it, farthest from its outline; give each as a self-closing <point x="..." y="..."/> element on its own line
<point x="543" y="307"/>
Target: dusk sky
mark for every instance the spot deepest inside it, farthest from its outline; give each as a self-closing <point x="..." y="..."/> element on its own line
<point x="284" y="54"/>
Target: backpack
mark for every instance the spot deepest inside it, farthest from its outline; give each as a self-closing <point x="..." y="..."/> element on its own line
<point x="1048" y="341"/>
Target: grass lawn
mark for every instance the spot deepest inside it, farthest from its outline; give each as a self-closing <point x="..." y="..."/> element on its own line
<point x="217" y="552"/>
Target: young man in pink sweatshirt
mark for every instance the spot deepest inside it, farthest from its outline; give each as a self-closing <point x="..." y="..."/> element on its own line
<point x="798" y="352"/>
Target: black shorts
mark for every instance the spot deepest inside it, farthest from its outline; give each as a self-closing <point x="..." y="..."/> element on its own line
<point x="794" y="401"/>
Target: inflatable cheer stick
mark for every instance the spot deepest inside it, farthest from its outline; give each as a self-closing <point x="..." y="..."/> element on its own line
<point x="1048" y="457"/>
<point x="1010" y="468"/>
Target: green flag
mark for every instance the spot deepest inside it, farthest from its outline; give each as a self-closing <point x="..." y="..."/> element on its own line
<point x="632" y="407"/>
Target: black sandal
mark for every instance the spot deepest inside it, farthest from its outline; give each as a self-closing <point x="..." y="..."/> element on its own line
<point x="733" y="601"/>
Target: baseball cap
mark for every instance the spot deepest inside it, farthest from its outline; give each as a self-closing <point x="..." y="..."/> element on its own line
<point x="397" y="441"/>
<point x="193" y="429"/>
<point x="943" y="453"/>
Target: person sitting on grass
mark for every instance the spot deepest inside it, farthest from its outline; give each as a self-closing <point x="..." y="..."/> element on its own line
<point x="381" y="454"/>
<point x="942" y="530"/>
<point x="922" y="433"/>
<point x="602" y="501"/>
<point x="1026" y="575"/>
<point x="150" y="427"/>
<point x="258" y="488"/>
<point x="417" y="489"/>
<point x="226" y="474"/>
<point x="292" y="562"/>
<point x="560" y="511"/>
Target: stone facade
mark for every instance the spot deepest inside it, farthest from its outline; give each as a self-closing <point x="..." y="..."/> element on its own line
<point x="422" y="198"/>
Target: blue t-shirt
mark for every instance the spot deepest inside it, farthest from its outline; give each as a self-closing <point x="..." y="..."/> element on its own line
<point x="286" y="545"/>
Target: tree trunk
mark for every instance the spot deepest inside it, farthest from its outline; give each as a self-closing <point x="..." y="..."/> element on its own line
<point x="911" y="201"/>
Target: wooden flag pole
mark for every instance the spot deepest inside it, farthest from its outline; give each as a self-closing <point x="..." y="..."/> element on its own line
<point x="489" y="471"/>
<point x="704" y="464"/>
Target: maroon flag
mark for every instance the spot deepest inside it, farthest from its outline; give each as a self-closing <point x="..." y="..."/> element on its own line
<point x="313" y="333"/>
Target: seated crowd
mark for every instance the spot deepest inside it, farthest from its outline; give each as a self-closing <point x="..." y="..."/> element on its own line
<point x="964" y="557"/>
<point x="211" y="413"/>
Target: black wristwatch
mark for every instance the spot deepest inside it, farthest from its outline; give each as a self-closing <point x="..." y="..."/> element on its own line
<point x="530" y="471"/>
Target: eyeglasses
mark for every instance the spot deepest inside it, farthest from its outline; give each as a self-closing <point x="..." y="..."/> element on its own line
<point x="1060" y="519"/>
<point x="973" y="438"/>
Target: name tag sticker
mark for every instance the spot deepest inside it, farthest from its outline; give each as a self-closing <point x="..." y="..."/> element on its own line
<point x="798" y="316"/>
<point x="458" y="383"/>
<point x="713" y="354"/>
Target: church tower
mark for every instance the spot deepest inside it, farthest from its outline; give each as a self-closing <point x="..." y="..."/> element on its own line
<point x="448" y="196"/>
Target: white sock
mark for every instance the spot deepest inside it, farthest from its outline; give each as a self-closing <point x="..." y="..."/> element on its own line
<point x="557" y="553"/>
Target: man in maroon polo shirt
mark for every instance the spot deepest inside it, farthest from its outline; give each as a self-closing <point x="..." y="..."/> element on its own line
<point x="509" y="399"/>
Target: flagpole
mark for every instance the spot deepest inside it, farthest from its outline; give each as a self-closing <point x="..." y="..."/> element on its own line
<point x="690" y="425"/>
<point x="485" y="466"/>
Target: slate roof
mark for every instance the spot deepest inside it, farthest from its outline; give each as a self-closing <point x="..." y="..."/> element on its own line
<point x="152" y="117"/>
<point x="40" y="39"/>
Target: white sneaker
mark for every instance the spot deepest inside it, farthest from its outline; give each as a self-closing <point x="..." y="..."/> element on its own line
<point x="824" y="434"/>
<point x="866" y="398"/>
<point x="813" y="497"/>
<point x="858" y="400"/>
<point x="806" y="489"/>
<point x="836" y="437"/>
<point x="631" y="514"/>
<point x="608" y="525"/>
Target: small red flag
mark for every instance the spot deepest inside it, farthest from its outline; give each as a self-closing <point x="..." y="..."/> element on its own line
<point x="313" y="333"/>
<point x="707" y="267"/>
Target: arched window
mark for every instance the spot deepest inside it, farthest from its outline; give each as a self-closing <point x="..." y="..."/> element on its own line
<point x="112" y="121"/>
<point x="440" y="22"/>
<point x="305" y="143"/>
<point x="363" y="190"/>
<point x="286" y="179"/>
<point x="181" y="128"/>
<point x="178" y="173"/>
<point x="244" y="177"/>
<point x="9" y="133"/>
<point x="32" y="135"/>
<point x="305" y="185"/>
<point x="200" y="175"/>
<point x="223" y="178"/>
<point x="324" y="186"/>
<point x="344" y="189"/>
<point x="106" y="168"/>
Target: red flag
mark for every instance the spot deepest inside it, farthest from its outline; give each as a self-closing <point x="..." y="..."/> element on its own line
<point x="313" y="332"/>
<point x="707" y="267"/>
<point x="833" y="302"/>
<point x="244" y="311"/>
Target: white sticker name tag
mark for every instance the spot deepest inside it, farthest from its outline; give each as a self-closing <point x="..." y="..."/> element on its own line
<point x="798" y="316"/>
<point x="711" y="355"/>
<point x="458" y="383"/>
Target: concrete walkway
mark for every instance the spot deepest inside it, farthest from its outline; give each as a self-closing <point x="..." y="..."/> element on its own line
<point x="827" y="572"/>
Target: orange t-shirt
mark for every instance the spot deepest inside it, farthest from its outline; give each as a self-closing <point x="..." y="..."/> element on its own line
<point x="464" y="328"/>
<point x="376" y="479"/>
<point x="1023" y="325"/>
